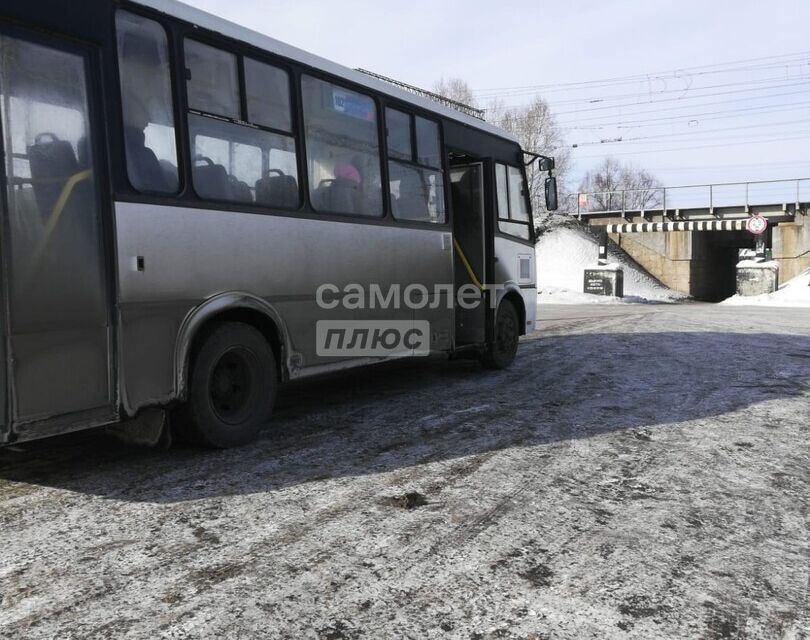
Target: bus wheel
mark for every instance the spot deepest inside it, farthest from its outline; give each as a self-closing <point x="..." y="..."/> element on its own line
<point x="232" y="388"/>
<point x="500" y="353"/>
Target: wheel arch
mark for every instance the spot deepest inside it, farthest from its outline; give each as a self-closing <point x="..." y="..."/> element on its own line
<point x="513" y="294"/>
<point x="229" y="307"/>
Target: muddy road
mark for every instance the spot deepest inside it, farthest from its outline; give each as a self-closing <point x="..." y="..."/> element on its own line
<point x="641" y="472"/>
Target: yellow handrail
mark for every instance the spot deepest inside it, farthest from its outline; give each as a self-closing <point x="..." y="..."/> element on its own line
<point x="467" y="266"/>
<point x="58" y="209"/>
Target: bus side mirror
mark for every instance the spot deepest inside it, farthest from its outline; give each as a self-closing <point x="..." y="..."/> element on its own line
<point x="551" y="194"/>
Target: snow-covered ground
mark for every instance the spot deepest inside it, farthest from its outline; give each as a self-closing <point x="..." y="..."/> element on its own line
<point x="565" y="249"/>
<point x="794" y="293"/>
<point x="643" y="471"/>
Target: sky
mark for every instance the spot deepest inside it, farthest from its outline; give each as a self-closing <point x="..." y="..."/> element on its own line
<point x="699" y="91"/>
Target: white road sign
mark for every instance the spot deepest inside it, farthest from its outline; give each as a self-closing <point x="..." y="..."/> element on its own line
<point x="757" y="225"/>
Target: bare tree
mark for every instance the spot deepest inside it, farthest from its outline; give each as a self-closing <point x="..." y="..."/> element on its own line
<point x="456" y="89"/>
<point x="534" y="126"/>
<point x="614" y="186"/>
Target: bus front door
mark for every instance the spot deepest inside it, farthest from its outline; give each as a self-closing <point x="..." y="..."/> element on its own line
<point x="469" y="235"/>
<point x="57" y="322"/>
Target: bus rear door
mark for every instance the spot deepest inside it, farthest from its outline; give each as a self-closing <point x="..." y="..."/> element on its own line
<point x="58" y="346"/>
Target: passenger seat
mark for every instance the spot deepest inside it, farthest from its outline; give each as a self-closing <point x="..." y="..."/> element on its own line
<point x="344" y="197"/>
<point x="278" y="190"/>
<point x="240" y="191"/>
<point x="211" y="181"/>
<point x="320" y="197"/>
<point x="52" y="162"/>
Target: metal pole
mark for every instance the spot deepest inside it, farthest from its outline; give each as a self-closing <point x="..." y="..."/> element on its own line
<point x="603" y="246"/>
<point x="760" y="244"/>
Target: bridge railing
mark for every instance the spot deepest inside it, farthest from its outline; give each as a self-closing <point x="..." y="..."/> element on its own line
<point x="793" y="191"/>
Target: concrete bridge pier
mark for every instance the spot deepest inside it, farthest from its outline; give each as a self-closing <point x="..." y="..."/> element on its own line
<point x="791" y="247"/>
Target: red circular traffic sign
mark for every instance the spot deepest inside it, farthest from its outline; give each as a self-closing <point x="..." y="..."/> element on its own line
<point x="757" y="225"/>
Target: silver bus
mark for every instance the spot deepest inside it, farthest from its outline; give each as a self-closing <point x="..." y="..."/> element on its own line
<point x="188" y="206"/>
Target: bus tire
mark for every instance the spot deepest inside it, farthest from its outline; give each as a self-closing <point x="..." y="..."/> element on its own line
<point x="233" y="385"/>
<point x="500" y="353"/>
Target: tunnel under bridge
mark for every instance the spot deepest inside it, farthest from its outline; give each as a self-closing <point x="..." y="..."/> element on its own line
<point x="690" y="238"/>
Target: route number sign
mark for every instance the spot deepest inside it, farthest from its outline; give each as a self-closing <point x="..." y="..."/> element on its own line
<point x="757" y="225"/>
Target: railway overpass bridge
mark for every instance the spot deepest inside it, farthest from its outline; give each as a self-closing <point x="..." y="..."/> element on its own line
<point x="690" y="237"/>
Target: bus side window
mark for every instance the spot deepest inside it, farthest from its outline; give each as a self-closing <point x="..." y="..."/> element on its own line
<point x="233" y="161"/>
<point x="513" y="210"/>
<point x="212" y="80"/>
<point x="428" y="147"/>
<point x="268" y="96"/>
<point x="343" y="149"/>
<point x="146" y="96"/>
<point x="267" y="90"/>
<point x="414" y="171"/>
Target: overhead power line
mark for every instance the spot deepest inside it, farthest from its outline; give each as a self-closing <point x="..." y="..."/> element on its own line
<point x="700" y="117"/>
<point x="708" y="139"/>
<point x="726" y="67"/>
<point x="727" y="167"/>
<point x="695" y="147"/>
<point x="688" y="133"/>
<point x="681" y="99"/>
<point x="749" y="88"/>
<point x="681" y="107"/>
<point x="652" y="84"/>
<point x="685" y="93"/>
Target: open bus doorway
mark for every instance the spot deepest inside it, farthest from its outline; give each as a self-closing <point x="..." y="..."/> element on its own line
<point x="467" y="179"/>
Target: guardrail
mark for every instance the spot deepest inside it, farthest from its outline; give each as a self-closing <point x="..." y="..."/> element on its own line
<point x="695" y="196"/>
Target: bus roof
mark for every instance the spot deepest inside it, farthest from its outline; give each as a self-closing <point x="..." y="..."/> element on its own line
<point x="211" y="22"/>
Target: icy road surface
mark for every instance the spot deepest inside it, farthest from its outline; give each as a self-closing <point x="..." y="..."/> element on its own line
<point x="641" y="472"/>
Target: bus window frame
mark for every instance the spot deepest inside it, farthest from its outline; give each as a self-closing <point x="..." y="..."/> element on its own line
<point x="139" y="11"/>
<point x="412" y="112"/>
<point x="379" y="106"/>
<point x="177" y="31"/>
<point x="498" y="219"/>
<point x="294" y="133"/>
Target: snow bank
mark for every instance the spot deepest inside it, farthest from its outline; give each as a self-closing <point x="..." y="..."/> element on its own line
<point x="794" y="293"/>
<point x="751" y="262"/>
<point x="555" y="295"/>
<point x="566" y="248"/>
